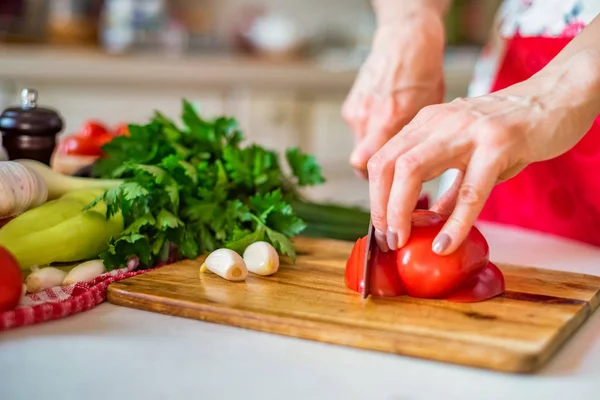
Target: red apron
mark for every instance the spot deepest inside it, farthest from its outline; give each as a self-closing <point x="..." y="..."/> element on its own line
<point x="559" y="196"/>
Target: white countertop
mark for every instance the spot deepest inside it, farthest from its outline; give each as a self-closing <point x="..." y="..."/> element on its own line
<point x="118" y="353"/>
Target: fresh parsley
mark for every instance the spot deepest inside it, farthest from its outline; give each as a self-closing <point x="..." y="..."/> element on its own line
<point x="197" y="188"/>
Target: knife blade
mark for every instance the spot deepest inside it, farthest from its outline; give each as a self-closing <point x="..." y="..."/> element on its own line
<point x="367" y="261"/>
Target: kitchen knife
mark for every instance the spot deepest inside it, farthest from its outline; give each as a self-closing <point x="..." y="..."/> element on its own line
<point x="367" y="261"/>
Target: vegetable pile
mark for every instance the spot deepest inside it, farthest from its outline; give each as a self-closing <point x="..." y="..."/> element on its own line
<point x="466" y="275"/>
<point x="161" y="192"/>
<point x="193" y="189"/>
<point x="158" y="193"/>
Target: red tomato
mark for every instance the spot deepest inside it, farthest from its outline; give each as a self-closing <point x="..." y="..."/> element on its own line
<point x="485" y="285"/>
<point x="384" y="279"/>
<point x="429" y="275"/>
<point x="11" y="281"/>
<point x="79" y="146"/>
<point x="93" y="129"/>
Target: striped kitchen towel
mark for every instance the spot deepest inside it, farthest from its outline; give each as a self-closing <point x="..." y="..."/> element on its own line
<point x="63" y="301"/>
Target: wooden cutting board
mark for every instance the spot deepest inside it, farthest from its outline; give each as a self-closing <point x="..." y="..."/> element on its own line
<point x="516" y="332"/>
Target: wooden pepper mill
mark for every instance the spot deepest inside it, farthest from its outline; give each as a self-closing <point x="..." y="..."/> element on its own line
<point x="30" y="131"/>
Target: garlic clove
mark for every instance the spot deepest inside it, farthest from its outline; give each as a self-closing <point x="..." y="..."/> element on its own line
<point x="261" y="258"/>
<point x="227" y="264"/>
<point x="21" y="189"/>
<point x="85" y="272"/>
<point x="41" y="279"/>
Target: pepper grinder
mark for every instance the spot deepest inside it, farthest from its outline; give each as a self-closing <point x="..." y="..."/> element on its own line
<point x="30" y="131"/>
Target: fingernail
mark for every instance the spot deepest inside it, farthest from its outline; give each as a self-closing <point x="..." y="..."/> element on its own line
<point x="401" y="241"/>
<point x="392" y="239"/>
<point x="441" y="243"/>
<point x="381" y="241"/>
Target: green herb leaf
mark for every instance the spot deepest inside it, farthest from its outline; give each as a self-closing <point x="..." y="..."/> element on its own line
<point x="304" y="167"/>
<point x="198" y="188"/>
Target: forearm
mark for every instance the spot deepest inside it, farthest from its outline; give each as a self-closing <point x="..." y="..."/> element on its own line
<point x="392" y="11"/>
<point x="576" y="72"/>
<point x="566" y="91"/>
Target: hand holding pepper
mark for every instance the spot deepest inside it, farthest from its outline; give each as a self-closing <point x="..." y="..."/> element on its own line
<point x="489" y="138"/>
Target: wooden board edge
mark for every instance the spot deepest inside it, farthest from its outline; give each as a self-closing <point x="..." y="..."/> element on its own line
<point x="561" y="338"/>
<point x="321" y="331"/>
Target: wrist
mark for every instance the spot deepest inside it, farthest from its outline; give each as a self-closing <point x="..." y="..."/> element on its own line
<point x="575" y="83"/>
<point x="424" y="26"/>
<point x="391" y="12"/>
<point x="564" y="96"/>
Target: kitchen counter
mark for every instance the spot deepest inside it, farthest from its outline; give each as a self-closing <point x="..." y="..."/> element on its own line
<point x="118" y="353"/>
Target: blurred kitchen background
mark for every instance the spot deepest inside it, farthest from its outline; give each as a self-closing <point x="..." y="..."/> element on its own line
<point x="281" y="67"/>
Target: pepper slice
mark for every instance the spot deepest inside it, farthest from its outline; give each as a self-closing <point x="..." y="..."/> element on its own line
<point x="384" y="279"/>
<point x="483" y="286"/>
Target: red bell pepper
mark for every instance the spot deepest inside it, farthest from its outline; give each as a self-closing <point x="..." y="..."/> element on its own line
<point x="465" y="275"/>
<point x="384" y="279"/>
<point x="93" y="129"/>
<point x="89" y="141"/>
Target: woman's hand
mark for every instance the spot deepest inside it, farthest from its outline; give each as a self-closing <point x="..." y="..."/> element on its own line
<point x="403" y="73"/>
<point x="489" y="138"/>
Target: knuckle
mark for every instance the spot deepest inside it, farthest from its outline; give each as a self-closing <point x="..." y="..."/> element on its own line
<point x="407" y="164"/>
<point x="496" y="134"/>
<point x="347" y="114"/>
<point x="378" y="218"/>
<point x="470" y="194"/>
<point x="376" y="165"/>
<point x="426" y="112"/>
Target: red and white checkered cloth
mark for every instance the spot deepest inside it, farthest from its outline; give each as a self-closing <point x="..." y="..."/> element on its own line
<point x="62" y="301"/>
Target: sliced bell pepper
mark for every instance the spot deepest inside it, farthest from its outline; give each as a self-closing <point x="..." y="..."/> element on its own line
<point x="384" y="279"/>
<point x="415" y="270"/>
<point x="486" y="284"/>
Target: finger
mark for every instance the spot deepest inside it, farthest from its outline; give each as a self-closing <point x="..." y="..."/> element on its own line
<point x="381" y="174"/>
<point x="379" y="133"/>
<point x="385" y="120"/>
<point x="359" y="127"/>
<point x="363" y="152"/>
<point x="479" y="180"/>
<point x="420" y="164"/>
<point x="447" y="202"/>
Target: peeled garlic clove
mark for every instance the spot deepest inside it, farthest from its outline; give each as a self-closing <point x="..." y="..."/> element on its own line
<point x="44" y="278"/>
<point x="227" y="264"/>
<point x="84" y="272"/>
<point x="261" y="258"/>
